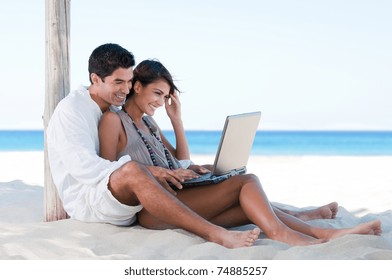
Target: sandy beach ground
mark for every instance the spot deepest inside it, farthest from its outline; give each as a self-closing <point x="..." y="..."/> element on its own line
<point x="361" y="185"/>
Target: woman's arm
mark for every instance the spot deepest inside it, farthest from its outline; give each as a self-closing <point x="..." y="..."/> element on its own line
<point x="110" y="130"/>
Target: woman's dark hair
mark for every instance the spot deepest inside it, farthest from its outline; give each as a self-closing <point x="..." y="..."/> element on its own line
<point x="107" y="58"/>
<point x="149" y="71"/>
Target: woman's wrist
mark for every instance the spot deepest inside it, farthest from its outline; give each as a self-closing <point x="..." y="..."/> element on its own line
<point x="177" y="122"/>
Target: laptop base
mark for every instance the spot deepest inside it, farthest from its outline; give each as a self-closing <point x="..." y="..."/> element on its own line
<point x="209" y="179"/>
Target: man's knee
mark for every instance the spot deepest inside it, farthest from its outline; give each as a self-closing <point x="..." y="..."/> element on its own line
<point x="124" y="182"/>
<point x="132" y="167"/>
<point x="128" y="173"/>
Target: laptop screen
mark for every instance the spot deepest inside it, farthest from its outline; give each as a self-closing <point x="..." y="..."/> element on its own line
<point x="236" y="142"/>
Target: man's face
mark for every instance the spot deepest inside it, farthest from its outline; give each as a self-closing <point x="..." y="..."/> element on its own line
<point x="114" y="88"/>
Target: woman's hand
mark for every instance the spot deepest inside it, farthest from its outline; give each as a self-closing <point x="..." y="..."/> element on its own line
<point x="173" y="107"/>
<point x="199" y="169"/>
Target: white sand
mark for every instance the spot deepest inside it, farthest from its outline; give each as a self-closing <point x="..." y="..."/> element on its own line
<point x="361" y="185"/>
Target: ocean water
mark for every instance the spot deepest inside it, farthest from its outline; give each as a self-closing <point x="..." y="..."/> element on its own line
<point x="353" y="143"/>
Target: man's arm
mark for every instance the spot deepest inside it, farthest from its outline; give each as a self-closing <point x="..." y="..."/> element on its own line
<point x="72" y="142"/>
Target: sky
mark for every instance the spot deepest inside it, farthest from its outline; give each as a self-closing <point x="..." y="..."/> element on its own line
<point x="305" y="64"/>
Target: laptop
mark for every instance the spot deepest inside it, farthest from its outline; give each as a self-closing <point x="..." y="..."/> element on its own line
<point x="233" y="151"/>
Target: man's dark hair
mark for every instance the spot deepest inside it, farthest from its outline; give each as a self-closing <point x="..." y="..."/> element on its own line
<point x="107" y="58"/>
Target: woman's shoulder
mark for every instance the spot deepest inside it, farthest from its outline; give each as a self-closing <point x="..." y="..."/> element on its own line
<point x="109" y="115"/>
<point x="110" y="118"/>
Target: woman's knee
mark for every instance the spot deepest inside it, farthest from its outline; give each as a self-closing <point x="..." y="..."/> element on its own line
<point x="252" y="177"/>
<point x="248" y="178"/>
<point x="236" y="183"/>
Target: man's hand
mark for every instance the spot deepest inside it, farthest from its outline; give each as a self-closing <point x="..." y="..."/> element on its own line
<point x="165" y="176"/>
<point x="186" y="174"/>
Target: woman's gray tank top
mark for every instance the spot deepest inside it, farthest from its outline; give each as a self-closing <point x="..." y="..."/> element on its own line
<point x="136" y="148"/>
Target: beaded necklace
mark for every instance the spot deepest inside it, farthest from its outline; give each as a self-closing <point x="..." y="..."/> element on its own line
<point x="149" y="149"/>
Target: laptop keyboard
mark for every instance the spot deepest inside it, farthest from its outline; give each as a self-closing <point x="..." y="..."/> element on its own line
<point x="201" y="178"/>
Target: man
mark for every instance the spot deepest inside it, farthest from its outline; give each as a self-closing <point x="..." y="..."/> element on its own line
<point x="93" y="189"/>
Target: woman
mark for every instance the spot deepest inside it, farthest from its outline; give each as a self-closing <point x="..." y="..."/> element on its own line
<point x="237" y="201"/>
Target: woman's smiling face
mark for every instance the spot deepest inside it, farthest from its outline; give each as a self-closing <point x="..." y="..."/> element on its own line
<point x="152" y="96"/>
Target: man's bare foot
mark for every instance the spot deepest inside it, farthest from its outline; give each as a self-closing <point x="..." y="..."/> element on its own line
<point x="253" y="236"/>
<point x="237" y="239"/>
<point x="327" y="211"/>
<point x="369" y="228"/>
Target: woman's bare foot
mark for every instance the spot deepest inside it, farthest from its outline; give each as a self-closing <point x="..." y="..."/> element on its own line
<point x="369" y="228"/>
<point x="237" y="239"/>
<point x="294" y="238"/>
<point x="327" y="211"/>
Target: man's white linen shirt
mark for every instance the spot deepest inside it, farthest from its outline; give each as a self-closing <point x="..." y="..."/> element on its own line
<point x="73" y="148"/>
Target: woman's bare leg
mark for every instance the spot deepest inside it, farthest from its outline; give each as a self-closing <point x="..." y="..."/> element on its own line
<point x="327" y="211"/>
<point x="369" y="228"/>
<point x="236" y="217"/>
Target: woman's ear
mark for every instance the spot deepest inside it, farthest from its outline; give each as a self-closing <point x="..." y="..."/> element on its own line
<point x="137" y="86"/>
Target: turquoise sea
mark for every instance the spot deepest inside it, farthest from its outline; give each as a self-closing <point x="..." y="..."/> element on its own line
<point x="353" y="143"/>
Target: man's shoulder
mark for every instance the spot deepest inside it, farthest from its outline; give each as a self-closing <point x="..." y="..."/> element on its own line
<point x="74" y="99"/>
<point x="74" y="105"/>
<point x="75" y="95"/>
